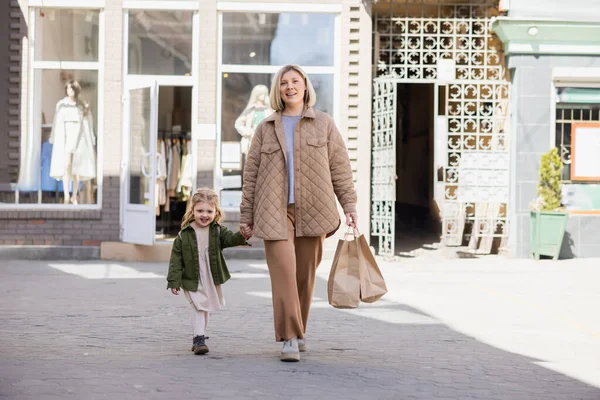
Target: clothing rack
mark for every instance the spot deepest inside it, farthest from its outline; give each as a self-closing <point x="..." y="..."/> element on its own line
<point x="169" y="219"/>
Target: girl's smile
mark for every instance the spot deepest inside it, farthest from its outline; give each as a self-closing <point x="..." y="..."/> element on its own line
<point x="204" y="214"/>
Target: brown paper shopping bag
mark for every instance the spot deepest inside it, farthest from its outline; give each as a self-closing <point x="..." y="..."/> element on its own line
<point x="343" y="286"/>
<point x="372" y="284"/>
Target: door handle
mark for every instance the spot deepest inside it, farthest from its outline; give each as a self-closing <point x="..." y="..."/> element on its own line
<point x="144" y="171"/>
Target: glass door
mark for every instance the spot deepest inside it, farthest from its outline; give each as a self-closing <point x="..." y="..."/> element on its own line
<point x="138" y="177"/>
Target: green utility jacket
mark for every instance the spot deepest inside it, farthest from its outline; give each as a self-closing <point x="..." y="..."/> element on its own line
<point x="183" y="266"/>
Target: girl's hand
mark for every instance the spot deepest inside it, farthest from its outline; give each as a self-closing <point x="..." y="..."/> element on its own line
<point x="246" y="231"/>
<point x="175" y="291"/>
<point x="352" y="220"/>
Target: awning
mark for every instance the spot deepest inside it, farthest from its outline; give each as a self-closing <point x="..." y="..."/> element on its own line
<point x="579" y="95"/>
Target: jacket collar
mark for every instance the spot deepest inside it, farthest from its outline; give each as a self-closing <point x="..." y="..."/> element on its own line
<point x="309" y="112"/>
<point x="212" y="224"/>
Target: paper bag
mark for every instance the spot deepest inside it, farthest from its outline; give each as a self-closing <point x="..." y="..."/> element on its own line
<point x="343" y="286"/>
<point x="372" y="284"/>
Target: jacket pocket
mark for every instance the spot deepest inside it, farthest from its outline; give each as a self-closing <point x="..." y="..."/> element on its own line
<point x="270" y="148"/>
<point x="317" y="142"/>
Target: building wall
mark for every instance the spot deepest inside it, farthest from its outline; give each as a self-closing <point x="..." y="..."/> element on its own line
<point x="11" y="28"/>
<point x="577" y="10"/>
<point x="5" y="31"/>
<point x="533" y="106"/>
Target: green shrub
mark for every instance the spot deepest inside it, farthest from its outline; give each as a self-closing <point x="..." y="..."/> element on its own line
<point x="548" y="190"/>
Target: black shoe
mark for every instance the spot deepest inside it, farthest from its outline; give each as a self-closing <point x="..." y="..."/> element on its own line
<point x="199" y="347"/>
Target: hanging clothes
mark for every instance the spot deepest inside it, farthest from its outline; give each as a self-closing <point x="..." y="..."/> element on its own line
<point x="174" y="168"/>
<point x="184" y="185"/>
<point x="72" y="133"/>
<point x="161" y="176"/>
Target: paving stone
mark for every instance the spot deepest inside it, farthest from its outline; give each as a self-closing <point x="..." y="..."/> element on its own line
<point x="69" y="337"/>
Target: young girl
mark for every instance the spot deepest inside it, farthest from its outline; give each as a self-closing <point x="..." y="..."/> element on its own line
<point x="197" y="264"/>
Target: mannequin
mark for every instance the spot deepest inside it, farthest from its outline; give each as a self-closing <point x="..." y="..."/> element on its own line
<point x="73" y="139"/>
<point x="256" y="110"/>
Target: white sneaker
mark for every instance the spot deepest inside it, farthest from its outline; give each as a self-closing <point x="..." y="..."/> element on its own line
<point x="290" y="350"/>
<point x="302" y="347"/>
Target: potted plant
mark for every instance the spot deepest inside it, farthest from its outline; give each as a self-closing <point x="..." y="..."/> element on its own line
<point x="548" y="218"/>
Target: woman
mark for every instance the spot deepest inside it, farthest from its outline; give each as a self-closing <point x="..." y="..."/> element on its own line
<point x="296" y="167"/>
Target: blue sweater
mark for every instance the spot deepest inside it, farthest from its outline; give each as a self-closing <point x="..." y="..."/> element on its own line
<point x="289" y="125"/>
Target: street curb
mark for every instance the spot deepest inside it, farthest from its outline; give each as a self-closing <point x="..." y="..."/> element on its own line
<point x="49" y="253"/>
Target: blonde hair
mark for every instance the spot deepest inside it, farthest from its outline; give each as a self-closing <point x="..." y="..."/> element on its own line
<point x="202" y="195"/>
<point x="310" y="97"/>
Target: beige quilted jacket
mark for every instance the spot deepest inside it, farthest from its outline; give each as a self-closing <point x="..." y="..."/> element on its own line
<point x="322" y="173"/>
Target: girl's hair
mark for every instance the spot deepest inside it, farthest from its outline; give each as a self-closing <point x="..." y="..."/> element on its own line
<point x="310" y="97"/>
<point x="202" y="195"/>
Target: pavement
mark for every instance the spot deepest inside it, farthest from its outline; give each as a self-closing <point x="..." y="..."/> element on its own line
<point x="484" y="328"/>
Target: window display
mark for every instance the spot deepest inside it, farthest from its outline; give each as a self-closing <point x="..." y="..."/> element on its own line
<point x="58" y="157"/>
<point x="57" y="149"/>
<point x="73" y="142"/>
<point x="256" y="110"/>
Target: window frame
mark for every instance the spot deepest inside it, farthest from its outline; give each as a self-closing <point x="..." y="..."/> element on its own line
<point x="571" y="77"/>
<point x="34" y="66"/>
<point x="273" y="8"/>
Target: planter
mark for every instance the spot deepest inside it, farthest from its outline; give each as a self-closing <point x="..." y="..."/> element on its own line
<point x="547" y="231"/>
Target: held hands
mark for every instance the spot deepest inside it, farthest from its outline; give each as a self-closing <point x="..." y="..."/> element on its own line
<point x="175" y="291"/>
<point x="246" y="231"/>
<point x="352" y="220"/>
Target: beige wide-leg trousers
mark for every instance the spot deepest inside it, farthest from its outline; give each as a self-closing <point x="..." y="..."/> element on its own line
<point x="292" y="265"/>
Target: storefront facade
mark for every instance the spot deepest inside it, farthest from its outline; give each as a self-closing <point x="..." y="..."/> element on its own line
<point x="446" y="106"/>
<point x="121" y="108"/>
<point x="553" y="54"/>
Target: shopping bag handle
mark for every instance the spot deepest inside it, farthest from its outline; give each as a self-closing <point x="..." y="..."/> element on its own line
<point x="352" y="231"/>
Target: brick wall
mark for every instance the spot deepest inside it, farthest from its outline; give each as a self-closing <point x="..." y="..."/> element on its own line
<point x="11" y="28"/>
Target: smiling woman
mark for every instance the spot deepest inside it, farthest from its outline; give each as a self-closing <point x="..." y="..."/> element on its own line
<point x="297" y="170"/>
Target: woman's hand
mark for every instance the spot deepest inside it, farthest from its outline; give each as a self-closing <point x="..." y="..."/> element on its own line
<point x="352" y="220"/>
<point x="175" y="291"/>
<point x="246" y="231"/>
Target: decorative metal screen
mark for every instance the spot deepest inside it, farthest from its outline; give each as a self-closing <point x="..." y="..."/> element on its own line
<point x="384" y="163"/>
<point x="413" y="38"/>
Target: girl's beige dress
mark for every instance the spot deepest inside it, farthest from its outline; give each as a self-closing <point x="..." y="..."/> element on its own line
<point x="209" y="296"/>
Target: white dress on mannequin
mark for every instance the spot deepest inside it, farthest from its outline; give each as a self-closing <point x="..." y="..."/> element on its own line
<point x="72" y="133"/>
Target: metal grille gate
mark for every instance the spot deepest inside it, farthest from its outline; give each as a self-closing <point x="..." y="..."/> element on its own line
<point x="412" y="39"/>
<point x="384" y="163"/>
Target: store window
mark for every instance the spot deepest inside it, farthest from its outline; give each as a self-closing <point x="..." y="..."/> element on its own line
<point x="66" y="35"/>
<point x="160" y="42"/>
<point x="578" y="141"/>
<point x="58" y="150"/>
<point x="278" y="39"/>
<point x="263" y="42"/>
